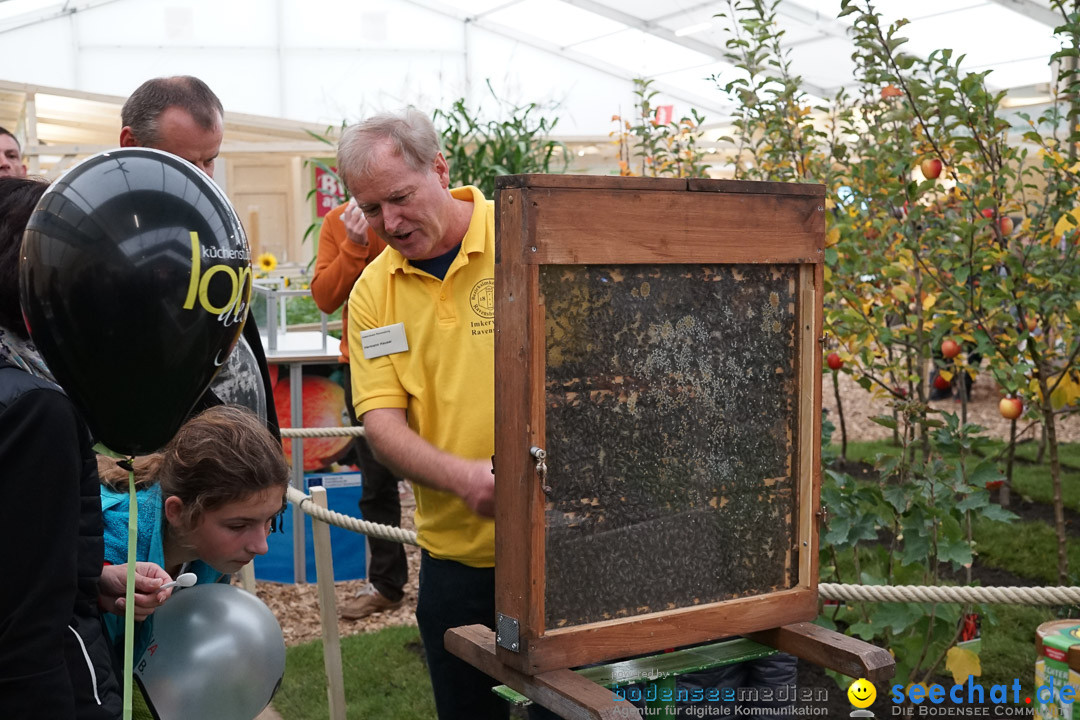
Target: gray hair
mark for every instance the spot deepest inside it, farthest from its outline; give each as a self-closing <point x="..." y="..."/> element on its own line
<point x="410" y="132"/>
<point x="143" y="109"/>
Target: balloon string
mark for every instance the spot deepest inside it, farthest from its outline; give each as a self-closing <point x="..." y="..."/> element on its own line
<point x="129" y="594"/>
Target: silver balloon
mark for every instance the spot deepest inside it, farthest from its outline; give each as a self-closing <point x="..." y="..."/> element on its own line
<point x="217" y="653"/>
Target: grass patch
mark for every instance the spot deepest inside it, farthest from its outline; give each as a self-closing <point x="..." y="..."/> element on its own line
<point x="1031" y="481"/>
<point x="1026" y="549"/>
<point x="385" y="678"/>
<point x="1008" y="644"/>
<point x="865" y="452"/>
<point x="1034" y="482"/>
<point x="1067" y="454"/>
<point x="1023" y="548"/>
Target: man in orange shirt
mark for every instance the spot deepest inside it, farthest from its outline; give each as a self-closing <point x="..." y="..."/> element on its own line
<point x="346" y="245"/>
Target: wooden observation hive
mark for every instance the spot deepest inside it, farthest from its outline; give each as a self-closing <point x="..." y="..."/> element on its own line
<point x="658" y="414"/>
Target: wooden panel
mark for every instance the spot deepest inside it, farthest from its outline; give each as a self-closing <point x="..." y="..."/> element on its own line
<point x="614" y="182"/>
<point x="562" y="691"/>
<point x="637" y="226"/>
<point x="255" y="176"/>
<point x="265" y="217"/>
<point x="518" y="571"/>
<point x="809" y="423"/>
<point x="578" y="646"/>
<point x="589" y="182"/>
<point x="829" y="649"/>
<point x="815" y="497"/>
<point x="758" y="188"/>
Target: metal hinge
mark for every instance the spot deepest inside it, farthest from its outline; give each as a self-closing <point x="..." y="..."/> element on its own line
<point x="506" y="632"/>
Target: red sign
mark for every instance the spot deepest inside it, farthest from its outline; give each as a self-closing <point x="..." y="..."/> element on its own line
<point x="328" y="192"/>
<point x="664" y="113"/>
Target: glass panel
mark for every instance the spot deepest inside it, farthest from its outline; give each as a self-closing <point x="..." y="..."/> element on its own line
<point x="671" y="397"/>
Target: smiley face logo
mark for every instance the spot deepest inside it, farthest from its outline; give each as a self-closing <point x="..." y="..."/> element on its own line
<point x="862" y="693"/>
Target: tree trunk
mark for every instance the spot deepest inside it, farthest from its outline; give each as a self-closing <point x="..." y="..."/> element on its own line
<point x="840" y="412"/>
<point x="1055" y="479"/>
<point x="1005" y="494"/>
<point x="962" y="377"/>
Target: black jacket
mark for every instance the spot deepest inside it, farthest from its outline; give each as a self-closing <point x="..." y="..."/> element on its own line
<point x="54" y="655"/>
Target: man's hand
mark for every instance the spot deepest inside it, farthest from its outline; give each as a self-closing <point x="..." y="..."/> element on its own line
<point x="479" y="490"/>
<point x="148" y="578"/>
<point x="356" y="225"/>
<point x="399" y="448"/>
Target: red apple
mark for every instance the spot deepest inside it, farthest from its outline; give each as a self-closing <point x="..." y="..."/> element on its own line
<point x="988" y="213"/>
<point x="931" y="168"/>
<point x="324" y="406"/>
<point x="1006" y="225"/>
<point x="941" y="383"/>
<point x="994" y="484"/>
<point x="902" y="392"/>
<point x="834" y="361"/>
<point x="950" y="349"/>
<point x="1011" y="407"/>
<point x="1031" y="323"/>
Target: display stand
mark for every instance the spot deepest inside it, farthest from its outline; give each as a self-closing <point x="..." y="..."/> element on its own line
<point x="658" y="424"/>
<point x="293" y="350"/>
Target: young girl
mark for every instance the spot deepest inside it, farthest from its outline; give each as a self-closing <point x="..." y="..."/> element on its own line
<point x="206" y="502"/>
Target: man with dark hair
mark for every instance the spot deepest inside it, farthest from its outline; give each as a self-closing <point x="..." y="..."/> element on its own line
<point x="11" y="163"/>
<point x="182" y="116"/>
<point x="179" y="115"/>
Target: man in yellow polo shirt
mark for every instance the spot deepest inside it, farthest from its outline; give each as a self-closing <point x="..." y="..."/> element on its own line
<point x="421" y="334"/>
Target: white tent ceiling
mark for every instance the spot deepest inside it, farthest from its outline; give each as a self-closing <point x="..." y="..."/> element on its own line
<point x="324" y="61"/>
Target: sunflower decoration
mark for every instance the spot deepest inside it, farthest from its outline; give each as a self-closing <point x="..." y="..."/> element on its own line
<point x="265" y="263"/>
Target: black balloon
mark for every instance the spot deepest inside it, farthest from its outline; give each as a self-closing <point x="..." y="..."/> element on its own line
<point x="135" y="280"/>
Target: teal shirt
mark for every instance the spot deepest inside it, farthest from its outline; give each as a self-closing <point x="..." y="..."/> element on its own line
<point x="149" y="546"/>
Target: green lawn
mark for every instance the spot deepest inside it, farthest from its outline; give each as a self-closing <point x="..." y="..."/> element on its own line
<point x="385" y="678"/>
<point x="1008" y="644"/>
<point x="1033" y="481"/>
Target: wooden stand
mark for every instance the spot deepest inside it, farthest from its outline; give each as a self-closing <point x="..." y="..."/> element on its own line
<point x="658" y="424"/>
<point x="573" y="695"/>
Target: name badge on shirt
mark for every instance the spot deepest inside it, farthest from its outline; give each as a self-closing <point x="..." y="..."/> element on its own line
<point x="385" y="340"/>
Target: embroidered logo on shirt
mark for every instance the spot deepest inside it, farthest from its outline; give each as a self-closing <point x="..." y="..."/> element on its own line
<point x="482" y="298"/>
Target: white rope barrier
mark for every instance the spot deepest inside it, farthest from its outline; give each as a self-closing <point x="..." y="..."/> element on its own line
<point x="946" y="594"/>
<point x="322" y="432"/>
<point x="828" y="591"/>
<point x="375" y="530"/>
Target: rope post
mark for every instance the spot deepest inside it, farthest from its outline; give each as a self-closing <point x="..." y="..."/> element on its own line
<point x="247" y="577"/>
<point x="324" y="578"/>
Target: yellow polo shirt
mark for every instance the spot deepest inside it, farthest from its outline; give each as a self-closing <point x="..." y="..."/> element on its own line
<point x="446" y="379"/>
